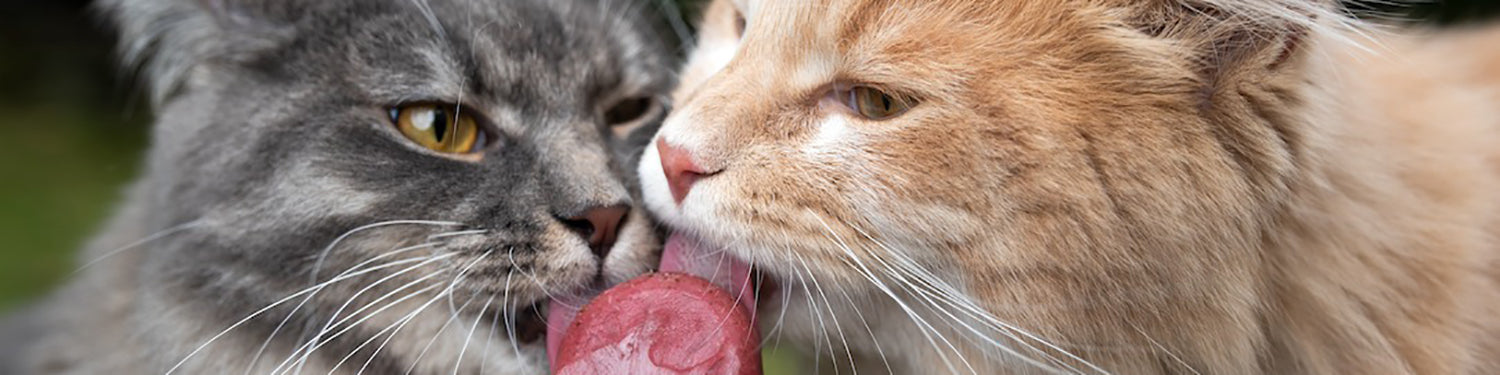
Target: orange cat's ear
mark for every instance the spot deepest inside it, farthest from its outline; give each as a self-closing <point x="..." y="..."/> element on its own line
<point x="1228" y="36"/>
<point x="719" y="34"/>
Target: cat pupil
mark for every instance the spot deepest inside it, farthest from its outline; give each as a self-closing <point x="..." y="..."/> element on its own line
<point x="440" y="124"/>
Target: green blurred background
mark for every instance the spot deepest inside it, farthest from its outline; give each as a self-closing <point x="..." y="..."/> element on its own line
<point x="72" y="130"/>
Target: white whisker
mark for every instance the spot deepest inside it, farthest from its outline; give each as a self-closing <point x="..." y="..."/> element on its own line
<point x="490" y="339"/>
<point x="279" y="326"/>
<point x="451" y="318"/>
<point x="924" y="326"/>
<point x="148" y="239"/>
<point x="775" y="330"/>
<point x="834" y="317"/>
<point x="402" y="324"/>
<point x="953" y="298"/>
<point x="460" y="275"/>
<point x="323" y="255"/>
<point x="394" y="328"/>
<point x="871" y="332"/>
<point x="457" y="234"/>
<point x="303" y="359"/>
<point x="1164" y="349"/>
<point x="241" y="322"/>
<point x="816" y="316"/>
<point x="510" y="322"/>
<point x="316" y="342"/>
<point x="467" y="338"/>
<point x="367" y="288"/>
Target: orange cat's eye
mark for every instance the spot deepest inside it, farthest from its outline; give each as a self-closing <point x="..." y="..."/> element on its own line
<point x="439" y="128"/>
<point x="872" y="103"/>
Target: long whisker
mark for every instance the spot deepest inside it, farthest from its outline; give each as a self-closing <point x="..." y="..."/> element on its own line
<point x="510" y="322"/>
<point x="951" y="297"/>
<point x="1164" y="349"/>
<point x="930" y="288"/>
<point x="489" y="339"/>
<point x="394" y="328"/>
<point x="148" y="239"/>
<point x="532" y="275"/>
<point x="871" y="332"/>
<point x="816" y="315"/>
<point x="241" y="322"/>
<point x="451" y="318"/>
<point x="458" y="363"/>
<point x="323" y="255"/>
<point x="906" y="308"/>
<point x="831" y="315"/>
<point x="916" y="287"/>
<point x="775" y="330"/>
<point x="786" y="301"/>
<point x="725" y="319"/>
<point x="317" y="339"/>
<point x="460" y="275"/>
<point x="367" y="288"/>
<point x="334" y="321"/>
<point x="279" y="326"/>
<point x="401" y="325"/>
<point x="457" y="234"/>
<point x="303" y="360"/>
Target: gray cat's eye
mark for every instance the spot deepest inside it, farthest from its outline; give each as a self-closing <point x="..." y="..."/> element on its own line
<point x="442" y="128"/>
<point x="630" y="110"/>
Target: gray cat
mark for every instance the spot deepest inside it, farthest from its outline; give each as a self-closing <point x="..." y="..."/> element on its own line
<point x="386" y="186"/>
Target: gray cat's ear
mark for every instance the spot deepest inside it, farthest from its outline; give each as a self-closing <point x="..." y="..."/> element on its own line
<point x="167" y="42"/>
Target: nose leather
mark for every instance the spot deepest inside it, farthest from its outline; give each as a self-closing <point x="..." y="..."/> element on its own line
<point x="681" y="171"/>
<point x="599" y="226"/>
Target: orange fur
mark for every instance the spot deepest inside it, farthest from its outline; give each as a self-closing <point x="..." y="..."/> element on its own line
<point x="1122" y="186"/>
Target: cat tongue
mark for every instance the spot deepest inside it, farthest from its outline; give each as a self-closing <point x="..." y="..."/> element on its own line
<point x="684" y="255"/>
<point x="697" y="317"/>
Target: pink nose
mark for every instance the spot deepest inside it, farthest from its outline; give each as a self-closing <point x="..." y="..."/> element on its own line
<point x="680" y="169"/>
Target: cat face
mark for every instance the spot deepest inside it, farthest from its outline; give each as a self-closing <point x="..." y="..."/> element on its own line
<point x="480" y="142"/>
<point x="1049" y="159"/>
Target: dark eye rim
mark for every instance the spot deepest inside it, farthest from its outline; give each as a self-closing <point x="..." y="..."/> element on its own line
<point x="490" y="137"/>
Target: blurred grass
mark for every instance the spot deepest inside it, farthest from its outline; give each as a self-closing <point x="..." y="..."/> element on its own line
<point x="69" y="141"/>
<point x="66" y="145"/>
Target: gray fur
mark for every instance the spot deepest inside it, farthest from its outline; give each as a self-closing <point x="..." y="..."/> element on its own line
<point x="273" y="144"/>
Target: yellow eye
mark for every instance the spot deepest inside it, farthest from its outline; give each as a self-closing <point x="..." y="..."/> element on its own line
<point x="875" y="104"/>
<point x="439" y="128"/>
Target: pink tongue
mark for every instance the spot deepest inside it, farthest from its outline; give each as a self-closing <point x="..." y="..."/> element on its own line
<point x="685" y="256"/>
<point x="681" y="255"/>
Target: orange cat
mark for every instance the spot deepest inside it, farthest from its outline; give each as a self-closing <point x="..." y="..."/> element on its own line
<point x="1097" y="186"/>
